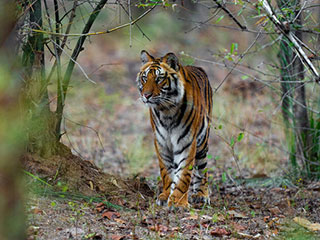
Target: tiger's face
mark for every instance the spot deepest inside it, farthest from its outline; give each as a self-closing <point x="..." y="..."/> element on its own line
<point x="158" y="81"/>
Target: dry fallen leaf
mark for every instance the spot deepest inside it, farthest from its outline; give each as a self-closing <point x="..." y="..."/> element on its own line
<point x="307" y="224"/>
<point x="219" y="232"/>
<point x="100" y="207"/>
<point x="191" y="217"/>
<point x="158" y="228"/>
<point x="235" y="214"/>
<point x="111" y="215"/>
<point x="238" y="226"/>
<point x="37" y="211"/>
<point x="119" y="220"/>
<point x="275" y="210"/>
<point x="100" y="204"/>
<point x="117" y="237"/>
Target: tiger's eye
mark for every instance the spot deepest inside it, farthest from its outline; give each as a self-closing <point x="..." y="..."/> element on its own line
<point x="161" y="78"/>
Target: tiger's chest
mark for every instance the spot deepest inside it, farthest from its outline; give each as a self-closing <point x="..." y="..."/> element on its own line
<point x="170" y="129"/>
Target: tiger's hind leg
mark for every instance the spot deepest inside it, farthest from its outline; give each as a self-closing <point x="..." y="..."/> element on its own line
<point x="199" y="186"/>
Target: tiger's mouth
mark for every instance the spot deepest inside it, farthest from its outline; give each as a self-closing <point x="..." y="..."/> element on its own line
<point x="155" y="102"/>
<point x="148" y="101"/>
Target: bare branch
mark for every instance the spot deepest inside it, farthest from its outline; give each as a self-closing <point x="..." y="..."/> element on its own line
<point x="291" y="37"/>
<point x="230" y="15"/>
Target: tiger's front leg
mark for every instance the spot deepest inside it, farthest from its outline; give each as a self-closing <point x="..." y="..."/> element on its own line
<point x="165" y="162"/>
<point x="184" y="157"/>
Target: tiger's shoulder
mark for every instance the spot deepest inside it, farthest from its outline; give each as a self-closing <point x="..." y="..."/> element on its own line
<point x="194" y="73"/>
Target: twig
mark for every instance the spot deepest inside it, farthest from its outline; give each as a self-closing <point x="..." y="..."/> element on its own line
<point x="131" y="19"/>
<point x="201" y="23"/>
<point x="102" y="65"/>
<point x="74" y="61"/>
<point x="69" y="140"/>
<point x="91" y="128"/>
<point x="221" y="26"/>
<point x="230" y="15"/>
<point x="130" y="28"/>
<point x="96" y="33"/>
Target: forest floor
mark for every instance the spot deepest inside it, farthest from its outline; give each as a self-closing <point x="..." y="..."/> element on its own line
<point x="111" y="130"/>
<point x="237" y="211"/>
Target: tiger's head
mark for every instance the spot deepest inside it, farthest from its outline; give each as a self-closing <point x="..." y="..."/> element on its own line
<point x="159" y="81"/>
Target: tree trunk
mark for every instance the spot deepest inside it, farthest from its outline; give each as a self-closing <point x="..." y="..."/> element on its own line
<point x="40" y="132"/>
<point x="294" y="106"/>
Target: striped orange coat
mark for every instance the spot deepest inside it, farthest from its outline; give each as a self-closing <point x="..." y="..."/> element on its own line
<point x="180" y="103"/>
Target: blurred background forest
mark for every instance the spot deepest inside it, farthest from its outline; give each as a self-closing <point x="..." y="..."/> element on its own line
<point x="71" y="67"/>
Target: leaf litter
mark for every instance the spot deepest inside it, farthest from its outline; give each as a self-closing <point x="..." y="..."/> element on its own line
<point x="249" y="213"/>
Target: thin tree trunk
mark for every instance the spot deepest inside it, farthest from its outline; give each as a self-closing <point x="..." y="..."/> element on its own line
<point x="66" y="80"/>
<point x="35" y="94"/>
<point x="301" y="115"/>
<point x="295" y="112"/>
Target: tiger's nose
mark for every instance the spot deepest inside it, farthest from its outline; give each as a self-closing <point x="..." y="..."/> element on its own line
<point x="147" y="95"/>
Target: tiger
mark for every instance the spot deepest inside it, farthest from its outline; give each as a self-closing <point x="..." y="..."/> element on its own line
<point x="180" y="106"/>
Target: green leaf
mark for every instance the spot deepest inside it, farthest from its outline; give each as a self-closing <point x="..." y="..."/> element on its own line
<point x="232" y="142"/>
<point x="209" y="156"/>
<point x="220" y="126"/>
<point x="233" y="48"/>
<point x="215" y="218"/>
<point x="240" y="137"/>
<point x="220" y="18"/>
<point x="253" y="214"/>
<point x="53" y="204"/>
<point x="224" y="177"/>
<point x="64" y="188"/>
<point x="244" y="77"/>
<point x="217" y="158"/>
<point x="190" y="167"/>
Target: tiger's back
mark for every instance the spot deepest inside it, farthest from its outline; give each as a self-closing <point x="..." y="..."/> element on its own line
<point x="180" y="103"/>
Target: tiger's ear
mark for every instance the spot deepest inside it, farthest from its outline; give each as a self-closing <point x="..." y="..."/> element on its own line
<point x="172" y="60"/>
<point x="145" y="57"/>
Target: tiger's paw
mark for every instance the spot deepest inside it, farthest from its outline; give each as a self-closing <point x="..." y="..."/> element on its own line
<point x="178" y="206"/>
<point x="162" y="200"/>
<point x="178" y="202"/>
<point x="199" y="198"/>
